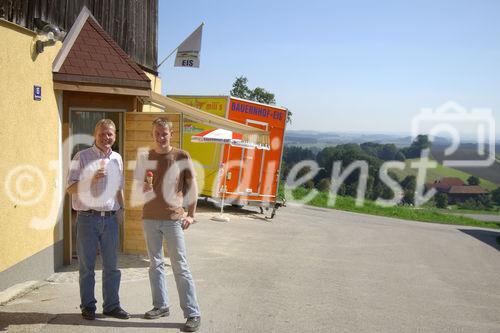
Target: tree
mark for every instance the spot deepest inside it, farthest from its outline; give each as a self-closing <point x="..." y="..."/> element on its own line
<point x="485" y="201"/>
<point x="473" y="180"/>
<point x="409" y="184"/>
<point x="388" y="152"/>
<point x="293" y="155"/>
<point x="289" y="115"/>
<point x="324" y="185"/>
<point x="261" y="95"/>
<point x="469" y="204"/>
<point x="399" y="156"/>
<point x="441" y="200"/>
<point x="420" y="143"/>
<point x="240" y="88"/>
<point x="383" y="191"/>
<point x="347" y="154"/>
<point x="309" y="184"/>
<point x="481" y="202"/>
<point x="495" y="195"/>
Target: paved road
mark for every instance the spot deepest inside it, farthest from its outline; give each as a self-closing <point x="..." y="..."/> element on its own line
<point x="483" y="217"/>
<point x="309" y="270"/>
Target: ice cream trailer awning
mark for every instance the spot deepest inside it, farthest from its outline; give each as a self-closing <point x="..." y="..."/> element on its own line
<point x="250" y="134"/>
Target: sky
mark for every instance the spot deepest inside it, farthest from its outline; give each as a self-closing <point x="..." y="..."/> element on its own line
<point x="350" y="66"/>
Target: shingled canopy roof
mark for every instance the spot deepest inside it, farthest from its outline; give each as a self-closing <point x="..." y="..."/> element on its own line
<point x="90" y="56"/>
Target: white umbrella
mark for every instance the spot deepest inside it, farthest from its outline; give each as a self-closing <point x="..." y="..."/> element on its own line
<point x="219" y="135"/>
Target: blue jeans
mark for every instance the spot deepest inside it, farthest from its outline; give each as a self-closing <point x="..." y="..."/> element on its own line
<point x="93" y="230"/>
<point x="155" y="231"/>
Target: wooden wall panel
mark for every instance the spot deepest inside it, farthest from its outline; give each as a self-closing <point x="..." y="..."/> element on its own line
<point x="138" y="135"/>
<point x="133" y="24"/>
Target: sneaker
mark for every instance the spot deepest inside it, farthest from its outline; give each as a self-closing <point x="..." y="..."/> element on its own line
<point x="192" y="324"/>
<point x="155" y="313"/>
<point x="88" y="314"/>
<point x="117" y="312"/>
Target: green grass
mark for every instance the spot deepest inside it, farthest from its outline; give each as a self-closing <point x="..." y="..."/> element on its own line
<point x="439" y="172"/>
<point x="400" y="212"/>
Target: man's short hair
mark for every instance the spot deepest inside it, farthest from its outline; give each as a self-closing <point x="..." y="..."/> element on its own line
<point x="104" y="122"/>
<point x="164" y="122"/>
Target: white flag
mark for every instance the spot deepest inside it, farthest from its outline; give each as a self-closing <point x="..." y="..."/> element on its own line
<point x="188" y="53"/>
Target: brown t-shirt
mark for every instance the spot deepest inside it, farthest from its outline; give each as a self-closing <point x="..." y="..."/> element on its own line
<point x="170" y="184"/>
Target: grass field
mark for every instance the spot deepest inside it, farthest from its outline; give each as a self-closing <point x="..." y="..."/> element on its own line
<point x="439" y="172"/>
<point x="401" y="212"/>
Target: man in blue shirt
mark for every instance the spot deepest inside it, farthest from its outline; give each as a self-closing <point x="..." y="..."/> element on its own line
<point x="95" y="182"/>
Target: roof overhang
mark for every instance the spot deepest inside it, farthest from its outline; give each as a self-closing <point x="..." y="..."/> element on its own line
<point x="93" y="88"/>
<point x="59" y="77"/>
<point x="251" y="134"/>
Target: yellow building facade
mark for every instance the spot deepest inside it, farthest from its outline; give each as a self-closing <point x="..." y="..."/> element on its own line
<point x="30" y="167"/>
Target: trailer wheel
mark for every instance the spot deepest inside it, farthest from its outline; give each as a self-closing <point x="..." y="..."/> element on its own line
<point x="273" y="213"/>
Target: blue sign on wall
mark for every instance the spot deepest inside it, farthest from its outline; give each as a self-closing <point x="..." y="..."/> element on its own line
<point x="37" y="93"/>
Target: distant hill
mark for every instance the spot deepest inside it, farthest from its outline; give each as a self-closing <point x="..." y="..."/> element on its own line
<point x="468" y="151"/>
<point x="314" y="139"/>
<point x="322" y="139"/>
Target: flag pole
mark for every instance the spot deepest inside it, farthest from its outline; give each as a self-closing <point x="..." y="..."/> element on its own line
<point x="161" y="63"/>
<point x="221" y="217"/>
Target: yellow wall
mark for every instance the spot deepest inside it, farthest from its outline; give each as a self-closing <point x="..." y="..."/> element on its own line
<point x="155" y="87"/>
<point x="29" y="137"/>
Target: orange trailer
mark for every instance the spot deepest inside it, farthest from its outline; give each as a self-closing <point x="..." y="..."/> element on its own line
<point x="245" y="176"/>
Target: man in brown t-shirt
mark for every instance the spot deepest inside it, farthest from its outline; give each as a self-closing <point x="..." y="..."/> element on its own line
<point x="167" y="187"/>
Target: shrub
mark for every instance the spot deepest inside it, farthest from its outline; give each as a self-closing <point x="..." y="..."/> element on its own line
<point x="495" y="196"/>
<point x="324" y="185"/>
<point x="473" y="180"/>
<point x="482" y="202"/>
<point x="441" y="200"/>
